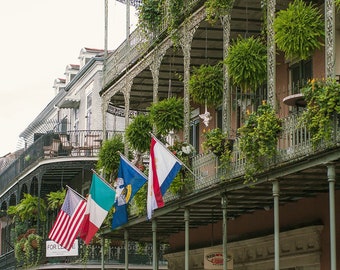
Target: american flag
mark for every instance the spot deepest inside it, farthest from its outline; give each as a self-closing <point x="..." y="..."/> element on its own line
<point x="66" y="227"/>
<point x="135" y="3"/>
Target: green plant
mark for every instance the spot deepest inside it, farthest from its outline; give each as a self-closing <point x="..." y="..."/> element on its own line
<point x="176" y="9"/>
<point x="109" y="156"/>
<point x="138" y="133"/>
<point x="258" y="139"/>
<point x="150" y="15"/>
<point x="299" y="30"/>
<point x="217" y="8"/>
<point x="218" y="143"/>
<point x="183" y="181"/>
<point x="337" y="4"/>
<point x="323" y="104"/>
<point x="19" y="253"/>
<point x="167" y="115"/>
<point x="30" y="209"/>
<point x="247" y="63"/>
<point x="206" y="84"/>
<point x="28" y="249"/>
<point x="55" y="199"/>
<point x="139" y="200"/>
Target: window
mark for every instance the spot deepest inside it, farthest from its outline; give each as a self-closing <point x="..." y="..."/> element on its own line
<point x="88" y="111"/>
<point x="195" y="129"/>
<point x="300" y="73"/>
<point x="194" y="134"/>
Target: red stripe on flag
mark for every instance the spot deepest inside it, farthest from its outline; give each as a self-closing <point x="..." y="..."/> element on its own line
<point x="66" y="227"/>
<point x="155" y="182"/>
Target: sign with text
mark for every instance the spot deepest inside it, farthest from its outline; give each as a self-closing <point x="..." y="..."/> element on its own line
<point x="213" y="259"/>
<point x="55" y="250"/>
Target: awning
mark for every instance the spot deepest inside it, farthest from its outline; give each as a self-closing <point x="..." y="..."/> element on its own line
<point x="69" y="102"/>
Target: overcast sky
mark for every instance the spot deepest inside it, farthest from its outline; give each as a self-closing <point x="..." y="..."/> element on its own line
<point x="38" y="39"/>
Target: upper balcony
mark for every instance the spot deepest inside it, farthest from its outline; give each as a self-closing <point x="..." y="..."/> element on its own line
<point x="55" y="146"/>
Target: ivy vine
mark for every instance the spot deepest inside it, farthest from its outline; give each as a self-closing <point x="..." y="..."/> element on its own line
<point x="323" y="104"/>
<point x="258" y="139"/>
<point x="217" y="8"/>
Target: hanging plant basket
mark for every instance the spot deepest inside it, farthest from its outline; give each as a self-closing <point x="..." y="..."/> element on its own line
<point x="167" y="115"/>
<point x="299" y="30"/>
<point x="247" y="63"/>
<point x="138" y="133"/>
<point x="206" y="85"/>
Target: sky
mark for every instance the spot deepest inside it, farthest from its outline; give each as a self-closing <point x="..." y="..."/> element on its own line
<point x="39" y="38"/>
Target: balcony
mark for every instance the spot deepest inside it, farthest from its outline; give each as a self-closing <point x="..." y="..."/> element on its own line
<point x="294" y="144"/>
<point x="139" y="44"/>
<point x="72" y="144"/>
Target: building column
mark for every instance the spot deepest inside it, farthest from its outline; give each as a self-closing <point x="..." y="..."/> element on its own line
<point x="154" y="67"/>
<point x="185" y="42"/>
<point x="332" y="223"/>
<point x="271" y="54"/>
<point x="127" y="92"/>
<point x="330" y="38"/>
<point x="187" y="239"/>
<point x="105" y="105"/>
<point x="126" y="243"/>
<point x="154" y="245"/>
<point x="224" y="203"/>
<point x="276" y="195"/>
<point x="226" y="104"/>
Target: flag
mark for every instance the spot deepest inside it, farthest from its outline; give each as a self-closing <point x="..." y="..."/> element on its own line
<point x="67" y="225"/>
<point x="163" y="168"/>
<point x="99" y="202"/>
<point x="129" y="181"/>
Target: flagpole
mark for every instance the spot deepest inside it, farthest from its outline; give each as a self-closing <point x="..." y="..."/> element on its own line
<point x="180" y="161"/>
<point x="81" y="196"/>
<point x="101" y="178"/>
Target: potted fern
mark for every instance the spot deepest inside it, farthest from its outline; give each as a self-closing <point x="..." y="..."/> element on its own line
<point x="299" y="30"/>
<point x="167" y="115"/>
<point x="206" y="84"/>
<point x="247" y="63"/>
<point x="138" y="133"/>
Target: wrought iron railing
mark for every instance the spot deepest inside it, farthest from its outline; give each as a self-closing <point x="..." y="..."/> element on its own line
<point x="79" y="143"/>
<point x="294" y="143"/>
<point x="140" y="43"/>
<point x="114" y="254"/>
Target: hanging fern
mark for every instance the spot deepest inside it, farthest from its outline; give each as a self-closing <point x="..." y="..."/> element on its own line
<point x="247" y="63"/>
<point x="206" y="84"/>
<point x="167" y="115"/>
<point x="109" y="157"/>
<point x="299" y="30"/>
<point x="138" y="133"/>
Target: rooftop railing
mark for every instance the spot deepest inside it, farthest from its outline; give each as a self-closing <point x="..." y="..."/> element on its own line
<point x="140" y="42"/>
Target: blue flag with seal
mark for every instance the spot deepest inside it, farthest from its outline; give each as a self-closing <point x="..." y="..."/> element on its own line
<point x="129" y="181"/>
